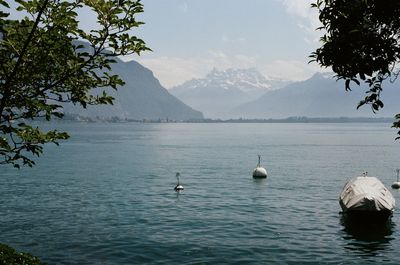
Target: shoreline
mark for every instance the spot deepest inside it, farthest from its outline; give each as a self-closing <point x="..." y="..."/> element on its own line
<point x="300" y="119"/>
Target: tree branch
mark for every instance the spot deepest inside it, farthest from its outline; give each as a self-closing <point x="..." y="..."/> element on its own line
<point x="7" y="86"/>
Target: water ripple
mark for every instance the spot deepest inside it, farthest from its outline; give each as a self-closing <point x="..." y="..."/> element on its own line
<point x="110" y="200"/>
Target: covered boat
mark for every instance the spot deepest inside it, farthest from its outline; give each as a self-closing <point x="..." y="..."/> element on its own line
<point x="367" y="198"/>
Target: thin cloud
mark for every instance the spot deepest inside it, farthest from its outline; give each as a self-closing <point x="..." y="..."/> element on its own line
<point x="233" y="41"/>
<point x="299" y="8"/>
<point x="307" y="17"/>
<point x="290" y="70"/>
<point x="183" y="7"/>
<point x="172" y="71"/>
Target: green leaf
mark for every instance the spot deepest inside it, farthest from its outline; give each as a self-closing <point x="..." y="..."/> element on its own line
<point x="361" y="103"/>
<point x="4" y="3"/>
<point x="355" y="81"/>
<point x="347" y="84"/>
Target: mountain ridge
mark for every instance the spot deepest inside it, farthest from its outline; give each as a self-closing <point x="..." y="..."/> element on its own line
<point x="318" y="96"/>
<point x="142" y="97"/>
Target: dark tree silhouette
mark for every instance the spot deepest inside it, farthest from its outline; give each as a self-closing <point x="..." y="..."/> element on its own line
<point x="361" y="44"/>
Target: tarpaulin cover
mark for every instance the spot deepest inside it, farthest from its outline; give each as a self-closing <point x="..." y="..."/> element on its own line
<point x="366" y="193"/>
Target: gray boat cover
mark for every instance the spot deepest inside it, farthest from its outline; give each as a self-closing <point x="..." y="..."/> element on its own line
<point x="366" y="193"/>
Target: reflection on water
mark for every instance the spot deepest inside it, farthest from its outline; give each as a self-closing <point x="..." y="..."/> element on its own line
<point x="368" y="239"/>
<point x="260" y="181"/>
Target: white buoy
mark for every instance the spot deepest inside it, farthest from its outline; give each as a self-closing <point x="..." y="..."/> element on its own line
<point x="259" y="172"/>
<point x="178" y="186"/>
<point x="396" y="185"/>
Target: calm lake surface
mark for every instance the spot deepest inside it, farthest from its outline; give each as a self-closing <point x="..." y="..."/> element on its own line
<point x="106" y="195"/>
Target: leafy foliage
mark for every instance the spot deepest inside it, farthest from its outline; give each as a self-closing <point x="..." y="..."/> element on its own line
<point x="9" y="256"/>
<point x="47" y="59"/>
<point x="361" y="43"/>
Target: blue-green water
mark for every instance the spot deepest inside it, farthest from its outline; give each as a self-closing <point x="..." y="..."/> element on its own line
<point x="106" y="195"/>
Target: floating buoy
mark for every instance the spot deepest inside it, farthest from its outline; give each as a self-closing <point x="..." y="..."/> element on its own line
<point x="259" y="172"/>
<point x="178" y="186"/>
<point x="396" y="185"/>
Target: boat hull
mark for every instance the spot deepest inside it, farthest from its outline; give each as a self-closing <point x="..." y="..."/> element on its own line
<point x="368" y="216"/>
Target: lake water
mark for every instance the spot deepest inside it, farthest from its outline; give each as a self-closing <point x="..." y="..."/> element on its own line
<point x="106" y="195"/>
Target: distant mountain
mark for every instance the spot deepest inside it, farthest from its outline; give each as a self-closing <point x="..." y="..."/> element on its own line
<point x="319" y="96"/>
<point x="142" y="97"/>
<point x="221" y="91"/>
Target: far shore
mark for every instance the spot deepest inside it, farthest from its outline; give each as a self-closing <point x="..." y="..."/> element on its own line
<point x="300" y="119"/>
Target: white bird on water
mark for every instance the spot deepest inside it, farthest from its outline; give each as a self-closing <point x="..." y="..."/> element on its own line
<point x="259" y="171"/>
<point x="178" y="186"/>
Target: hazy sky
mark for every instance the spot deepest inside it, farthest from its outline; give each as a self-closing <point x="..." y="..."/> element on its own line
<point x="190" y="37"/>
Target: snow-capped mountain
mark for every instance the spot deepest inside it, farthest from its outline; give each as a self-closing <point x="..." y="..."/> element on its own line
<point x="247" y="80"/>
<point x="221" y="91"/>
